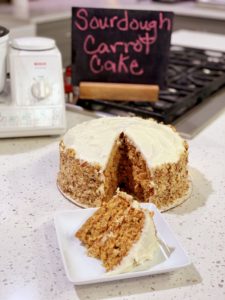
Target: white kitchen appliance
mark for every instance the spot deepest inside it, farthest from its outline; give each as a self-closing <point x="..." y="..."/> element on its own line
<point x="32" y="101"/>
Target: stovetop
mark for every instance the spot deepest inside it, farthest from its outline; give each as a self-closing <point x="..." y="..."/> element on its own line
<point x="193" y="76"/>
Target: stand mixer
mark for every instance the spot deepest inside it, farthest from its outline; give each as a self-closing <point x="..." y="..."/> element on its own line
<point x="32" y="101"/>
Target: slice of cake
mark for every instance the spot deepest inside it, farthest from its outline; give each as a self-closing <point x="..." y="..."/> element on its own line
<point x="140" y="156"/>
<point x="120" y="233"/>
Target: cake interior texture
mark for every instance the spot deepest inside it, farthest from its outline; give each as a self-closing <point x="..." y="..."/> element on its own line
<point x="114" y="230"/>
<point x="91" y="183"/>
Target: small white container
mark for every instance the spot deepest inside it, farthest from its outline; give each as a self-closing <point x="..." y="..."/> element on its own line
<point x="4" y="37"/>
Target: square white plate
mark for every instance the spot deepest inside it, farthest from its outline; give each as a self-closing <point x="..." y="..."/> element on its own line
<point x="82" y="269"/>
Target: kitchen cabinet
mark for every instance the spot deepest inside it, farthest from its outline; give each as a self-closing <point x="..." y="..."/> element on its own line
<point x="18" y="28"/>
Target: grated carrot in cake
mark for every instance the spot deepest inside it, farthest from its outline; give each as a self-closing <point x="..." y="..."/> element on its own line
<point x="114" y="229"/>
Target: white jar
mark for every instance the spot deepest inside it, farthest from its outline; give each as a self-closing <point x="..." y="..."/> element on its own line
<point x="4" y="36"/>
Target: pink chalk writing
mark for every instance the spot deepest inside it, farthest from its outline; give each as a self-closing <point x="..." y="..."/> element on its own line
<point x="82" y="15"/>
<point x="163" y="21"/>
<point x="106" y="55"/>
<point x="141" y="44"/>
<point x="123" y="65"/>
<point x="125" y="23"/>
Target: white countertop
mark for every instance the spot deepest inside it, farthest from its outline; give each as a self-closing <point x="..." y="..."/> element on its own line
<point x="30" y="262"/>
<point x="45" y="11"/>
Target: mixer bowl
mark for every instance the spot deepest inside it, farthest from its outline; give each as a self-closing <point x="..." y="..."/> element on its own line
<point x="4" y="36"/>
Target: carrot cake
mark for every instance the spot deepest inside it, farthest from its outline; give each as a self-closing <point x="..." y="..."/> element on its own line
<point x="120" y="233"/>
<point x="142" y="157"/>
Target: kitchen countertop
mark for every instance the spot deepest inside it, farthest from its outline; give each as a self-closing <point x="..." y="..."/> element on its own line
<point x="46" y="11"/>
<point x="30" y="262"/>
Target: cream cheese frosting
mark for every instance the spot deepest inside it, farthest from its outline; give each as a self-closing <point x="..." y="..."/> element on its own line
<point x="141" y="251"/>
<point x="93" y="140"/>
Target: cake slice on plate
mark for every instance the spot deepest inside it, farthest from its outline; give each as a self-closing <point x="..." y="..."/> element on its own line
<point x="120" y="233"/>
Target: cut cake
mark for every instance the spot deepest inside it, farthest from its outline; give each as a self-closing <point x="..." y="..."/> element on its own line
<point x="142" y="157"/>
<point x="120" y="233"/>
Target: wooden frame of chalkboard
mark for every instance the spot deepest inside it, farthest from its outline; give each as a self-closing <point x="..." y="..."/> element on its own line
<point x="120" y="45"/>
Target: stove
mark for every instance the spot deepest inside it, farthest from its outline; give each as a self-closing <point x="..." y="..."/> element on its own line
<point x="194" y="76"/>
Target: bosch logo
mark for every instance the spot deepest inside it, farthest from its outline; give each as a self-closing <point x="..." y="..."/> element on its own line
<point x="41" y="64"/>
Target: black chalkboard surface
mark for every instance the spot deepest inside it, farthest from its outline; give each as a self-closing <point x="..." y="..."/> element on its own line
<point x="117" y="45"/>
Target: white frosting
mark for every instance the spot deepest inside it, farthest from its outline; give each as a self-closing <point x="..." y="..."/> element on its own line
<point x="141" y="251"/>
<point x="93" y="140"/>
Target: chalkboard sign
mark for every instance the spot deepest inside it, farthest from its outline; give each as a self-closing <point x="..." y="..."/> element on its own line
<point x="117" y="45"/>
